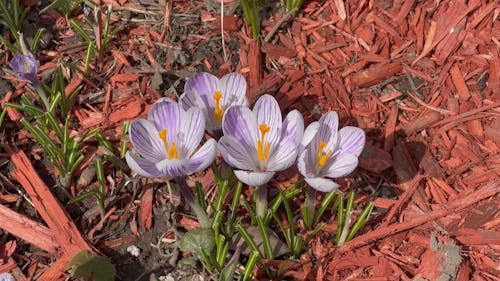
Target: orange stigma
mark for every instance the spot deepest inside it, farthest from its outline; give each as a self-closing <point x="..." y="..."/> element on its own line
<point x="218" y="109"/>
<point x="171" y="149"/>
<point x="323" y="158"/>
<point x="263" y="151"/>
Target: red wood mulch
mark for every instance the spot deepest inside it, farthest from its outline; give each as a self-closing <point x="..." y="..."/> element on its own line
<point x="422" y="78"/>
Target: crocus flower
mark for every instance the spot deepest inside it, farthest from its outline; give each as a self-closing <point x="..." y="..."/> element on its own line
<point x="166" y="144"/>
<point x="26" y="67"/>
<point x="7" y="277"/>
<point x="214" y="97"/>
<point x="328" y="153"/>
<point x="88" y="13"/>
<point x="257" y="142"/>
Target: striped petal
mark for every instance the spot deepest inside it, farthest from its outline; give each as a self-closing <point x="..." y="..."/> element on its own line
<point x="283" y="157"/>
<point x="201" y="85"/>
<point x="172" y="168"/>
<point x="268" y="112"/>
<point x="235" y="154"/>
<point x="305" y="165"/>
<point x="240" y="123"/>
<point x="193" y="127"/>
<point x="327" y="131"/>
<point x="341" y="166"/>
<point x="254" y="178"/>
<point x="234" y="88"/>
<point x="322" y="184"/>
<point x="166" y="114"/>
<point x="293" y="127"/>
<point x="142" y="166"/>
<point x="202" y="158"/>
<point x="144" y="137"/>
<point x="352" y="140"/>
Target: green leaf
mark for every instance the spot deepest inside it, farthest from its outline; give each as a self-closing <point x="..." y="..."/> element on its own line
<point x="227" y="273"/>
<point x="90" y="265"/>
<point x="198" y="239"/>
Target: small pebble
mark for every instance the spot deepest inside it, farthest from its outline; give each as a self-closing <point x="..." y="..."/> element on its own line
<point x="134" y="250"/>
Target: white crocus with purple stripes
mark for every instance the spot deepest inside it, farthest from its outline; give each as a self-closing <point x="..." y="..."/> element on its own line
<point x="214" y="96"/>
<point x="7" y="277"/>
<point x="258" y="142"/>
<point x="166" y="144"/>
<point x="328" y="152"/>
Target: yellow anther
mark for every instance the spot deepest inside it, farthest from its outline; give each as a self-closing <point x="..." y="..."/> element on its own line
<point x="171" y="149"/>
<point x="323" y="158"/>
<point x="263" y="152"/>
<point x="26" y="67"/>
<point x="218" y="109"/>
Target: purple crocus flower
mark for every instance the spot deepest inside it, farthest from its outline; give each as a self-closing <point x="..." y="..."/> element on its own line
<point x="214" y="97"/>
<point x="259" y="143"/>
<point x="328" y="153"/>
<point x="7" y="277"/>
<point x="26" y="67"/>
<point x="166" y="144"/>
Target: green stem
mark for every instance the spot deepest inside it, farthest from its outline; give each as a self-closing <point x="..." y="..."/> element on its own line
<point x="261" y="202"/>
<point x="188" y="196"/>
<point x="309" y="208"/>
<point x="43" y="96"/>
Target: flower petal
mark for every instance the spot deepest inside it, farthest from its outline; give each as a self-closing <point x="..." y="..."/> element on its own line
<point x="193" y="127"/>
<point x="188" y="100"/>
<point x="327" y="131"/>
<point x="172" y="168"/>
<point x="202" y="158"/>
<point x="322" y="184"/>
<point x="166" y="114"/>
<point x="282" y="157"/>
<point x="235" y="154"/>
<point x="144" y="138"/>
<point x="304" y="166"/>
<point x="234" y="88"/>
<point x="254" y="178"/>
<point x="240" y="123"/>
<point x="293" y="127"/>
<point x="352" y="140"/>
<point x="341" y="166"/>
<point x="7" y="277"/>
<point x="202" y="85"/>
<point x="309" y="133"/>
<point x="142" y="166"/>
<point x="267" y="111"/>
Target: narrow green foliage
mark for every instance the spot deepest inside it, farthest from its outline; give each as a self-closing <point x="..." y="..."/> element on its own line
<point x="95" y="34"/>
<point x="268" y="250"/>
<point x="330" y="196"/>
<point x="361" y="221"/>
<point x="63" y="150"/>
<point x="101" y="197"/>
<point x="344" y="218"/>
<point x="12" y="16"/>
<point x="227" y="273"/>
<point x="251" y="11"/>
<point x="123" y="136"/>
<point x="293" y="4"/>
<point x="252" y="261"/>
<point x="250" y="242"/>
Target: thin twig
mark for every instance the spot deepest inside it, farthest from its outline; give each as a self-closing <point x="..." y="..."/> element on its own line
<point x="279" y="23"/>
<point x="422" y="103"/>
<point x="224" y="51"/>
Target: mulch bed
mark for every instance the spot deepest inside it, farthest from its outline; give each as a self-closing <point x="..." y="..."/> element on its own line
<point x="422" y="78"/>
